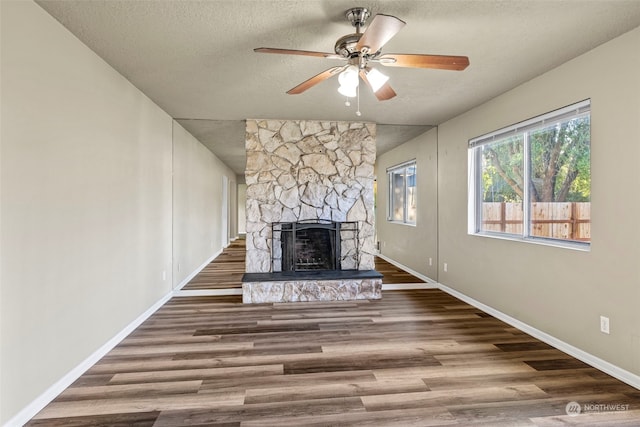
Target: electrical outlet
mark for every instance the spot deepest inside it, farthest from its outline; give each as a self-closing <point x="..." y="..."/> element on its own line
<point x="604" y="324"/>
<point x="430" y="262"/>
<point x="446" y="267"/>
<point x="164" y="276"/>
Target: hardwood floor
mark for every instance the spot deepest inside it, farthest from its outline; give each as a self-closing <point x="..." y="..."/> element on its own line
<point x="224" y="272"/>
<point x="394" y="275"/>
<point x="416" y="357"/>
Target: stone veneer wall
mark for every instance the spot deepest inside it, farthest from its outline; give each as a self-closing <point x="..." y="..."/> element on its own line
<point x="308" y="170"/>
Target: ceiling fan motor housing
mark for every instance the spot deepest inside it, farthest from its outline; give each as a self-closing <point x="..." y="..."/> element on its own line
<point x="346" y="45"/>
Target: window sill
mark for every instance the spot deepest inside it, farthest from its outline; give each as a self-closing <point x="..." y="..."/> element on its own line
<point x="576" y="246"/>
<point x="401" y="223"/>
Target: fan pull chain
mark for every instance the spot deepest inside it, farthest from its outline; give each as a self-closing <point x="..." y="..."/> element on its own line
<point x="358" y="113"/>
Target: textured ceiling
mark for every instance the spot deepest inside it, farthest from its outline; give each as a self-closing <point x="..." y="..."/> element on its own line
<point x="195" y="59"/>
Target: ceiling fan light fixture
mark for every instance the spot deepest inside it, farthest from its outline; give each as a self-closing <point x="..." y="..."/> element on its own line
<point x="349" y="81"/>
<point x="348" y="91"/>
<point x="349" y="77"/>
<point x="376" y="79"/>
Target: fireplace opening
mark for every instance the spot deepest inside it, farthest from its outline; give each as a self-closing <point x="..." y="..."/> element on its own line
<point x="314" y="246"/>
<point x="311" y="247"/>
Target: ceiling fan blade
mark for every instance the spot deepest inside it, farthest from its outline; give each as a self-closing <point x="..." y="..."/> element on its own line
<point x="441" y="62"/>
<point x="318" y="78"/>
<point x="385" y="91"/>
<point x="380" y="31"/>
<point x="297" y="52"/>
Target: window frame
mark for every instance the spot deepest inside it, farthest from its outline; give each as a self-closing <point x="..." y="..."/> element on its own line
<point x="474" y="168"/>
<point x="390" y="187"/>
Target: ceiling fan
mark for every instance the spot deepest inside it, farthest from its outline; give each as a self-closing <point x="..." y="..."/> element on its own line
<point x="361" y="50"/>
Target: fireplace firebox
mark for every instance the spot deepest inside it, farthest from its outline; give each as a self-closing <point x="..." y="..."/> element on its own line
<point x="314" y="246"/>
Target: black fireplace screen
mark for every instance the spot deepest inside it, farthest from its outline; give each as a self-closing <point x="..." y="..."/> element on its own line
<point x="314" y="245"/>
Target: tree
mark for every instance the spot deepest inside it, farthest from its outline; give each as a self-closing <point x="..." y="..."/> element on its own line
<point x="559" y="158"/>
<point x="504" y="170"/>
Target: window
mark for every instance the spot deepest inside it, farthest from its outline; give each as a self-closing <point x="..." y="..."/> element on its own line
<point x="402" y="193"/>
<point x="532" y="180"/>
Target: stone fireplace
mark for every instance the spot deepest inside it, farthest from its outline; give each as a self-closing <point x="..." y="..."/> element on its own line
<point x="310" y="211"/>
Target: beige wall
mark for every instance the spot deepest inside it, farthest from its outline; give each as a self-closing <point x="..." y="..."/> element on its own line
<point x="397" y="241"/>
<point x="559" y="291"/>
<point x="86" y="201"/>
<point x="197" y="204"/>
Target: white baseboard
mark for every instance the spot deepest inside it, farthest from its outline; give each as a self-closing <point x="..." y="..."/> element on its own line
<point x="407" y="286"/>
<point x="609" y="368"/>
<point x="407" y="269"/>
<point x="58" y="387"/>
<point x="208" y="292"/>
<point x="196" y="271"/>
<point x="428" y="283"/>
<point x="30" y="411"/>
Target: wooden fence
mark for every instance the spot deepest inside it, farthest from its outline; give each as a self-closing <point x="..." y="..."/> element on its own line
<point x="569" y="221"/>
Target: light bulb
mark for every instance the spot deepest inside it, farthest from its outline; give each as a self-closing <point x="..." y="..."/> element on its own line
<point x="349" y="81"/>
<point x="376" y="79"/>
<point x="348" y="91"/>
<point x="349" y="77"/>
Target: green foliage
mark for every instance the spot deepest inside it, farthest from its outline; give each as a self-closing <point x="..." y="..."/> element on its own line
<point x="560" y="165"/>
<point x="502" y="170"/>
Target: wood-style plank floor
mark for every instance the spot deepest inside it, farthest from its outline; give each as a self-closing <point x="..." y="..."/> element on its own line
<point x="225" y="272"/>
<point x="414" y="358"/>
<point x="394" y="275"/>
